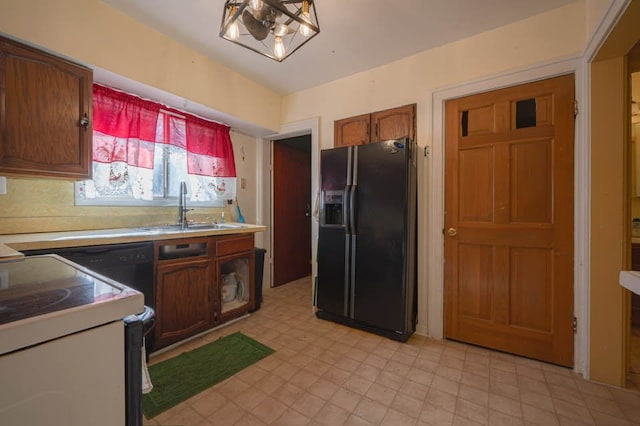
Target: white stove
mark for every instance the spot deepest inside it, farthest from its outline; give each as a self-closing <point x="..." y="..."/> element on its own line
<point x="62" y="343"/>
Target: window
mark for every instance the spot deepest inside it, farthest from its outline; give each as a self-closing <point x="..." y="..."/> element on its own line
<point x="142" y="150"/>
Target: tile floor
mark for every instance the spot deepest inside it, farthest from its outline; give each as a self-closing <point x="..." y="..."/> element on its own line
<point x="327" y="374"/>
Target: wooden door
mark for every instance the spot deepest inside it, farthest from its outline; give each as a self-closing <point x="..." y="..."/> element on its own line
<point x="291" y="210"/>
<point x="352" y="130"/>
<point x="509" y="220"/>
<point x="393" y="123"/>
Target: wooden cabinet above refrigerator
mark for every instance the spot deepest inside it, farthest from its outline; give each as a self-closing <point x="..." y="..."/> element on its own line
<point x="392" y="123"/>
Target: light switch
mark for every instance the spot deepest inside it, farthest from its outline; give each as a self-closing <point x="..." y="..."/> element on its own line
<point x="3" y="185"/>
<point x="243" y="183"/>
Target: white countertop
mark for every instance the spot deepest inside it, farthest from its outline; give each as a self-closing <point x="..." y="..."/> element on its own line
<point x="13" y="243"/>
<point x="630" y="280"/>
<point x="100" y="301"/>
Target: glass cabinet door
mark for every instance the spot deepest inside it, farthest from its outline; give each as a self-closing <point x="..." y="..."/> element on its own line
<point x="235" y="283"/>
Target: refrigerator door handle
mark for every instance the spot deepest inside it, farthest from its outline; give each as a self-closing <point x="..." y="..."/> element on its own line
<point x="350" y="154"/>
<point x="352" y="196"/>
<point x="346" y="221"/>
<point x="352" y="210"/>
<point x="352" y="267"/>
<point x="347" y="270"/>
<point x="348" y="189"/>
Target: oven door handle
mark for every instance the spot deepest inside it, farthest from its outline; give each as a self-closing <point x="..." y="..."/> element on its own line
<point x="148" y="318"/>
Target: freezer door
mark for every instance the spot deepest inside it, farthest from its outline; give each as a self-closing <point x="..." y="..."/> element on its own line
<point x="381" y="182"/>
<point x="334" y="238"/>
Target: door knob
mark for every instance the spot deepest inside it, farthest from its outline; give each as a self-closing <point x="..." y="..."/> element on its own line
<point x="452" y="232"/>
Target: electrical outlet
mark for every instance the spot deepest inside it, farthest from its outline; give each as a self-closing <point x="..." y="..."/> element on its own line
<point x="243" y="183"/>
<point x="3" y="185"/>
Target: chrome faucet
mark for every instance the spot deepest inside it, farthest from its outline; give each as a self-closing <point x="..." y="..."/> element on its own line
<point x="182" y="206"/>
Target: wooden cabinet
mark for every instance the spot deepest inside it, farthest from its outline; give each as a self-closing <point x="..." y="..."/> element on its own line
<point x="184" y="289"/>
<point x="352" y="130"/>
<point x="201" y="283"/>
<point x="378" y="126"/>
<point x="45" y="111"/>
<point x="235" y="266"/>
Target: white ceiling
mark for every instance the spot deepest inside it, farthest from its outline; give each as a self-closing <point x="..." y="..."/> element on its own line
<point x="355" y="35"/>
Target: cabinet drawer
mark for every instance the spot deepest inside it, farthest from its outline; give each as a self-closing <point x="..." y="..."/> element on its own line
<point x="234" y="245"/>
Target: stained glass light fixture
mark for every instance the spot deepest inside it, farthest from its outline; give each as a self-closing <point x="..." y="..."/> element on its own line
<point x="273" y="28"/>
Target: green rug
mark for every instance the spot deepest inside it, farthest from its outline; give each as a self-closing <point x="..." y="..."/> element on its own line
<point x="189" y="373"/>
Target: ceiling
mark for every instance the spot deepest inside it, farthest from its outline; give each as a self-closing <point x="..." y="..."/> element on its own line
<point x="355" y="35"/>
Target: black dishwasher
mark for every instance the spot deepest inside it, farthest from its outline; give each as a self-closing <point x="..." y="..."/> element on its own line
<point x="130" y="264"/>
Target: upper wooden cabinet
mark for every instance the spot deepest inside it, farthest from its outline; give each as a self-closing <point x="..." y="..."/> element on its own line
<point x="378" y="126"/>
<point x="352" y="130"/>
<point x="45" y="113"/>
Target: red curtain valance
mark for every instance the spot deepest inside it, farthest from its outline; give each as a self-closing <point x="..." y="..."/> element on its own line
<point x="200" y="133"/>
<point x="124" y="116"/>
<point x="128" y="117"/>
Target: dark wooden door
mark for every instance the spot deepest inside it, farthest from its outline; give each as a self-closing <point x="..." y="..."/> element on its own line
<point x="291" y="210"/>
<point x="509" y="219"/>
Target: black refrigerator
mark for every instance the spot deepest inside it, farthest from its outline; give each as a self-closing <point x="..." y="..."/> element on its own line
<point x="367" y="237"/>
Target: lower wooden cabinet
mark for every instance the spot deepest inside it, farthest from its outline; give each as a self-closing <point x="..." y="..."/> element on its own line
<point x="236" y="291"/>
<point x="201" y="283"/>
<point x="184" y="302"/>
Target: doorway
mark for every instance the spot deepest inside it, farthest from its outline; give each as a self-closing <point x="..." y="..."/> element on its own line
<point x="509" y="219"/>
<point x="633" y="66"/>
<point x="291" y="209"/>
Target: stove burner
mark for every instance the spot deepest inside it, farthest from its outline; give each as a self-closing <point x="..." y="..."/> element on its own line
<point x="42" y="299"/>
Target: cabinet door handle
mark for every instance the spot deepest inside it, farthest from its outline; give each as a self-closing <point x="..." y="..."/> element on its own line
<point x="84" y="121"/>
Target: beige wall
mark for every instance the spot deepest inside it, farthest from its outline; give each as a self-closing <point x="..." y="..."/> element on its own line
<point x="610" y="201"/>
<point x="244" y="149"/>
<point x="556" y="34"/>
<point x="95" y="34"/>
<point x="609" y="240"/>
<point x="595" y="11"/>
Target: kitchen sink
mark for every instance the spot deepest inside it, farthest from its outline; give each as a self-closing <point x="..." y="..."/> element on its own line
<point x="193" y="227"/>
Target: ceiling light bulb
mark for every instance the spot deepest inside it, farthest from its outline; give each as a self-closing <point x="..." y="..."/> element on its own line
<point x="278" y="49"/>
<point x="280" y="30"/>
<point x="305" y="30"/>
<point x="256" y="4"/>
<point x="233" y="32"/>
